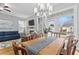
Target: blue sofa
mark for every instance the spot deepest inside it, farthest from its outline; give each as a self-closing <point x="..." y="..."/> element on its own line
<point x="9" y="35"/>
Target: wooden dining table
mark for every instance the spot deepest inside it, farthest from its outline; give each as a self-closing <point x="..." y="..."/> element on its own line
<point x="54" y="48"/>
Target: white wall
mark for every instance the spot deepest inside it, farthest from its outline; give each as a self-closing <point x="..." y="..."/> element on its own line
<point x="8" y="22"/>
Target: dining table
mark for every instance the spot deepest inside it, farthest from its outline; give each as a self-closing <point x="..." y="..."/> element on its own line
<point x="46" y="47"/>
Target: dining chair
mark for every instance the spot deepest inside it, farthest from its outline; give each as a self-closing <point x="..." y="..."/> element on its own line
<point x="40" y="35"/>
<point x="18" y="48"/>
<point x="71" y="47"/>
<point x="71" y="50"/>
<point x="34" y="36"/>
<point x="23" y="39"/>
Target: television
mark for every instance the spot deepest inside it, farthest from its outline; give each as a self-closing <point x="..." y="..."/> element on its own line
<point x="31" y="22"/>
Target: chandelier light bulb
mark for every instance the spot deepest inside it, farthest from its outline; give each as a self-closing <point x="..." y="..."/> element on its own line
<point x="50" y="8"/>
<point x="35" y="10"/>
<point x="38" y="14"/>
<point x="44" y="14"/>
<point x="48" y="4"/>
<point x="41" y="6"/>
<point x="50" y="13"/>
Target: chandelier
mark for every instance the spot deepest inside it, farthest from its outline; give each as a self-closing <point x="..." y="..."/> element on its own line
<point x="43" y="9"/>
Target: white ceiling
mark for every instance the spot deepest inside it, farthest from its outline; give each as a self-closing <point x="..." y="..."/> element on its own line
<point x="22" y="9"/>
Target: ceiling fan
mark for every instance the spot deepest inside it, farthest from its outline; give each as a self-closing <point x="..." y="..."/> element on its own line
<point x="4" y="7"/>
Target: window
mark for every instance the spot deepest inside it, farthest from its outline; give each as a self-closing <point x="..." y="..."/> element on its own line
<point x="21" y="26"/>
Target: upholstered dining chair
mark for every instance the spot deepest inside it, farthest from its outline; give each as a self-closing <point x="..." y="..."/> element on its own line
<point x="71" y="47"/>
<point x="34" y="36"/>
<point x="23" y="39"/>
<point x="17" y="49"/>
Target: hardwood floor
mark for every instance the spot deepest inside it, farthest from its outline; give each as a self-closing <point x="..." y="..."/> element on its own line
<point x="77" y="52"/>
<point x="7" y="51"/>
